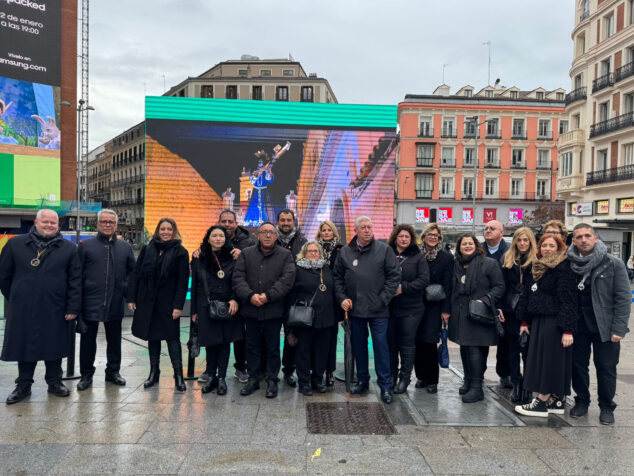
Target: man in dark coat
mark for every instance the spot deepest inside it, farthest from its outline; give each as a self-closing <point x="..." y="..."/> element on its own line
<point x="292" y="239"/>
<point x="106" y="263"/>
<point x="367" y="275"/>
<point x="263" y="276"/>
<point x="495" y="248"/>
<point x="40" y="277"/>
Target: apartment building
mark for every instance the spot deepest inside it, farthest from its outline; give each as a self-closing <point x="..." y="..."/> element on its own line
<point x="596" y="176"/>
<point x="511" y="132"/>
<point x="98" y="176"/>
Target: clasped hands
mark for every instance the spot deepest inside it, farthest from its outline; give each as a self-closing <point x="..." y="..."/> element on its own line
<point x="259" y="300"/>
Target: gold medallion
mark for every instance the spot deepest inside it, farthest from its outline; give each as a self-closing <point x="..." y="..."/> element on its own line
<point x="322" y="288"/>
<point x="35" y="262"/>
<point x="221" y="274"/>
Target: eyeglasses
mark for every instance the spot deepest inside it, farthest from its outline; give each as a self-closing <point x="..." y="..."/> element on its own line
<point x="432" y="235"/>
<point x="312" y="251"/>
<point x="267" y="233"/>
<point x="107" y="222"/>
<point x="553" y="232"/>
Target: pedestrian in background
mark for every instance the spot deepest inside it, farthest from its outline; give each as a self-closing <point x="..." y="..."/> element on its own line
<point x="212" y="273"/>
<point x="40" y="277"/>
<point x="406" y="308"/>
<point x="106" y="263"/>
<point x="476" y="278"/>
<point x="548" y="309"/>
<point x="156" y="294"/>
<point x="437" y="307"/>
<point x="558" y="228"/>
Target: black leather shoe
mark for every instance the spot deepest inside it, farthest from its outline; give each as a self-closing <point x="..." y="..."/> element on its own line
<point x="250" y="387"/>
<point x="115" y="378"/>
<point x="505" y="382"/>
<point x="319" y="387"/>
<point x="222" y="386"/>
<point x="18" y="394"/>
<point x="153" y="378"/>
<point x="271" y="389"/>
<point x="59" y="390"/>
<point x="386" y="396"/>
<point x="516" y="394"/>
<point x="179" y="381"/>
<point x="330" y="380"/>
<point x="401" y="386"/>
<point x="359" y="389"/>
<point x="84" y="382"/>
<point x="290" y="380"/>
<point x="578" y="410"/>
<point x="607" y="416"/>
<point x="209" y="386"/>
<point x="305" y="389"/>
<point x="464" y="388"/>
<point x="420" y="384"/>
<point x="432" y="388"/>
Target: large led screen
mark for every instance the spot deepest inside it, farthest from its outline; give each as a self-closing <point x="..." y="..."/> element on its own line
<point x="256" y="165"/>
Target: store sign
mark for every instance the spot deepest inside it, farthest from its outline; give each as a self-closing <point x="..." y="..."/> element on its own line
<point x="583" y="209"/>
<point x="422" y="215"/>
<point x="489" y="214"/>
<point x="626" y="205"/>
<point x="444" y="215"/>
<point x="515" y="216"/>
<point x="467" y="215"/>
<point x="573" y="208"/>
<point x="603" y="207"/>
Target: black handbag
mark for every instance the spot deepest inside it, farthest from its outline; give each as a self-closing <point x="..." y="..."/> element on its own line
<point x="301" y="314"/>
<point x="218" y="310"/>
<point x="435" y="293"/>
<point x="510" y="300"/>
<point x="481" y="313"/>
<point x="522" y="340"/>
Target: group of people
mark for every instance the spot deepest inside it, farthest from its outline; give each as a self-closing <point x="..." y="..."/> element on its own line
<point x="539" y="302"/>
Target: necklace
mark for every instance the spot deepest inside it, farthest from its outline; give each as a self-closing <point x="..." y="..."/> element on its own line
<point x="35" y="262"/>
<point x="322" y="286"/>
<point x="220" y="273"/>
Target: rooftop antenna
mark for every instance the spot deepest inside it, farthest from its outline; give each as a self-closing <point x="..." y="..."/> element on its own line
<point x="443" y="71"/>
<point x="488" y="43"/>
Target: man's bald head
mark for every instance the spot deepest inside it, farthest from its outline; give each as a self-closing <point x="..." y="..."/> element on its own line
<point x="47" y="222"/>
<point x="493" y="233"/>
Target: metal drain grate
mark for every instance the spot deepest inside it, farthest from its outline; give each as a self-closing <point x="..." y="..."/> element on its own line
<point x="348" y="419"/>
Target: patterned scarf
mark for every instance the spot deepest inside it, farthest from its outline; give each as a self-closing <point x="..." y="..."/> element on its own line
<point x="285" y="238"/>
<point x="547" y="262"/>
<point x="431" y="254"/>
<point x="328" y="247"/>
<point x="309" y="264"/>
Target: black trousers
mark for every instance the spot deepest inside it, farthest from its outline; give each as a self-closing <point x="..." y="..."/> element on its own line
<point x="288" y="354"/>
<point x="474" y="362"/>
<point x="263" y="338"/>
<point x="240" y="355"/>
<point x="26" y="370"/>
<point x="426" y="362"/>
<point x="502" y="354"/>
<point x="331" y="364"/>
<point x="515" y="353"/>
<point x="217" y="360"/>
<point x="401" y="338"/>
<point x="311" y="353"/>
<point x="606" y="358"/>
<point x="88" y="347"/>
<point x="173" y="348"/>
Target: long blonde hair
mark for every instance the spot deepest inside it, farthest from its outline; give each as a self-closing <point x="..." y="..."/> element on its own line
<point x="512" y="256"/>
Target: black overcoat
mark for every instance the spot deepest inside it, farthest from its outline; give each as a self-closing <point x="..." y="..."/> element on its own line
<point x="306" y="286"/>
<point x="106" y="265"/>
<point x="414" y="280"/>
<point x="483" y="281"/>
<point x="214" y="332"/>
<point x="295" y="245"/>
<point x="440" y="272"/>
<point x="38" y="298"/>
<point x="157" y="297"/>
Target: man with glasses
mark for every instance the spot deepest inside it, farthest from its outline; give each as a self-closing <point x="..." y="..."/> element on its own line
<point x="106" y="263"/>
<point x="495" y="248"/>
<point x="264" y="274"/>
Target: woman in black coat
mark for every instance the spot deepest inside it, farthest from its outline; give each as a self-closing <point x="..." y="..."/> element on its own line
<point x="440" y="264"/>
<point x="549" y="305"/>
<point x="314" y="286"/>
<point x="328" y="237"/>
<point x="211" y="279"/>
<point x="406" y="308"/>
<point x="475" y="278"/>
<point x="516" y="267"/>
<point x="156" y="294"/>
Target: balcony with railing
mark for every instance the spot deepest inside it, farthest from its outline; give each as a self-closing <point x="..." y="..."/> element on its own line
<point x="569" y="183"/>
<point x="448" y="195"/>
<point x="570" y="138"/>
<point x="616" y="174"/>
<point x="449" y="132"/>
<point x="425" y="131"/>
<point x="518" y="134"/>
<point x="544" y="164"/>
<point x="544" y="135"/>
<point x="422" y="193"/>
<point x="493" y="134"/>
<point x="518" y="164"/>
<point x="624" y="71"/>
<point x="469" y="132"/>
<point x="448" y="163"/>
<point x="576" y="95"/>
<point x="424" y="161"/>
<point x="602" y="82"/>
<point x="611" y="125"/>
<point x="492" y="164"/>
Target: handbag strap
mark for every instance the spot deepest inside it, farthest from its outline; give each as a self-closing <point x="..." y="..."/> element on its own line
<point x="203" y="277"/>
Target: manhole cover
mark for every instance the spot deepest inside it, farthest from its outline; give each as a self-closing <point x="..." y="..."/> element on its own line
<point x="348" y="419"/>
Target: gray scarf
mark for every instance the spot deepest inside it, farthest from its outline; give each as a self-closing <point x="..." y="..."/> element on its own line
<point x="285" y="238"/>
<point x="583" y="265"/>
<point x="309" y="264"/>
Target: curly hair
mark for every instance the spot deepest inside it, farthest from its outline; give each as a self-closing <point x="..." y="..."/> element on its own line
<point x="397" y="229"/>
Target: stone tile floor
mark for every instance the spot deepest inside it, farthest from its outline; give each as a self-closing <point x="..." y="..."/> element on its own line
<point x="130" y="430"/>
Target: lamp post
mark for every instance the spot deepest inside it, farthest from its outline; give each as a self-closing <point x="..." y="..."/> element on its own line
<point x="474" y="119"/>
<point x="82" y="106"/>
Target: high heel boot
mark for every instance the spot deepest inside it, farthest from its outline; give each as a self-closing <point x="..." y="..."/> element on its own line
<point x="179" y="381"/>
<point x="153" y="378"/>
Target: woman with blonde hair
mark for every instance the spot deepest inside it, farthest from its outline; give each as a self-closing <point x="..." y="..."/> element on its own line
<point x="517" y="265"/>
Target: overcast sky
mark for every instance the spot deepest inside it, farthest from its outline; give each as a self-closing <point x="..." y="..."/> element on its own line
<point x="371" y="51"/>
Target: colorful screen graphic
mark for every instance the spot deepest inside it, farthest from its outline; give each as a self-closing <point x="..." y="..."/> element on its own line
<point x="195" y="169"/>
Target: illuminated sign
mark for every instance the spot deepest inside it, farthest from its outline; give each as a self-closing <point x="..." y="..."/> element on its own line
<point x="467" y="215"/>
<point x="626" y="205"/>
<point x="603" y="207"/>
<point x="489" y="214"/>
<point x="422" y="215"/>
<point x="515" y="216"/>
<point x="444" y="215"/>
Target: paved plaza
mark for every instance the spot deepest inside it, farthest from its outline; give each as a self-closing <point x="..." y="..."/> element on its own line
<point x="108" y="429"/>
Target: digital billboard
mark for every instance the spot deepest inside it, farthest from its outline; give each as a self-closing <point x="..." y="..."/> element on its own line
<point x="324" y="161"/>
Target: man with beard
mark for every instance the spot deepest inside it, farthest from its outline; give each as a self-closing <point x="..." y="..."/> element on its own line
<point x="40" y="276"/>
<point x="292" y="239"/>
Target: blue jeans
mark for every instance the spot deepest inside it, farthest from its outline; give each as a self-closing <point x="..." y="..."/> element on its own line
<point x="378" y="327"/>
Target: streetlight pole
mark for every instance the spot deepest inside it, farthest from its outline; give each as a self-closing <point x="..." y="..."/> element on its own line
<point x="475" y="119"/>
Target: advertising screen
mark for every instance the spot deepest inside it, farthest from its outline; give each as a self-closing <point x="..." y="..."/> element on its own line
<point x="323" y="161"/>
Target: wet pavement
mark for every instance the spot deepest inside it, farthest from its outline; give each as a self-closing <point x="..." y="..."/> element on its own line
<point x="108" y="429"/>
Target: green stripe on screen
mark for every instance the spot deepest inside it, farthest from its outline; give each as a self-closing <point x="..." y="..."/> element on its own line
<point x="270" y="112"/>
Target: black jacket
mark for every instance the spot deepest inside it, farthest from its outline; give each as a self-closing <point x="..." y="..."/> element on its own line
<point x="156" y="296"/>
<point x="372" y="283"/>
<point x="105" y="267"/>
<point x="242" y="239"/>
<point x="214" y="332"/>
<point x="440" y="272"/>
<point x="414" y="280"/>
<point x="295" y="245"/>
<point x="306" y="286"/>
<point x="272" y="273"/>
<point x="483" y="281"/>
<point x="556" y="297"/>
<point x="513" y="286"/>
<point x="38" y="298"/>
<point x="499" y="254"/>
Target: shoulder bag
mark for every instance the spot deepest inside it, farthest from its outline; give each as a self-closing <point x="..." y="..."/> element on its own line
<point x="481" y="313"/>
<point x="302" y="314"/>
<point x="218" y="310"/>
<point x="435" y="293"/>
